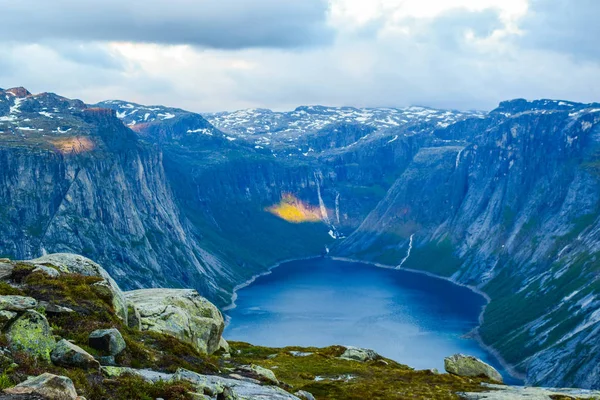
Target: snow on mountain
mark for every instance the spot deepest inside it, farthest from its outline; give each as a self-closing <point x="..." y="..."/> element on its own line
<point x="307" y="119"/>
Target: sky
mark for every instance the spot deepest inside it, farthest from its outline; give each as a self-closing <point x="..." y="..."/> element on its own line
<point x="217" y="55"/>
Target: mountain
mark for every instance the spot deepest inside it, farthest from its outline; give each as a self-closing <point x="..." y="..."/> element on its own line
<point x="505" y="201"/>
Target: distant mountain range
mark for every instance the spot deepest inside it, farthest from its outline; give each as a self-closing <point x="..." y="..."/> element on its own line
<point x="506" y="201"/>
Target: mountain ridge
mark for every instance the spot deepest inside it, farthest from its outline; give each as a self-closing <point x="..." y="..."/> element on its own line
<point x="505" y="201"/>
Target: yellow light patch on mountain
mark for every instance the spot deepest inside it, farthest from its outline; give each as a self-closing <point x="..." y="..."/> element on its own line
<point x="294" y="210"/>
<point x="74" y="145"/>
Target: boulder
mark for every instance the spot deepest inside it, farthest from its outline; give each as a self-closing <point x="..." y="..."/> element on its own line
<point x="358" y="354"/>
<point x="67" y="354"/>
<point x="49" y="386"/>
<point x="108" y="341"/>
<point x="181" y="313"/>
<point x="76" y="264"/>
<point x="17" y="303"/>
<point x="6" y="317"/>
<point x="134" y="320"/>
<point x="463" y="365"/>
<point x="304" y="395"/>
<point x="31" y="333"/>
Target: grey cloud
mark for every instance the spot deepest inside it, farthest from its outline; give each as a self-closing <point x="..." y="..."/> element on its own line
<point x="94" y="55"/>
<point x="566" y="26"/>
<point x="448" y="30"/>
<point x="226" y="24"/>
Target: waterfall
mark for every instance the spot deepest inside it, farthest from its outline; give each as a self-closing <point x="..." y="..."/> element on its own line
<point x="318" y="177"/>
<point x="337" y="208"/>
<point x="410" y="245"/>
<point x="458" y="157"/>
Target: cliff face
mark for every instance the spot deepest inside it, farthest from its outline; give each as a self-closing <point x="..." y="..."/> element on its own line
<point x="110" y="201"/>
<point x="515" y="213"/>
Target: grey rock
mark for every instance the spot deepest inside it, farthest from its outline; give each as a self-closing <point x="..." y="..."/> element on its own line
<point x="304" y="395"/>
<point x="67" y="354"/>
<point x="263" y="373"/>
<point x="17" y="303"/>
<point x="31" y="333"/>
<point x="358" y="354"/>
<point x="181" y="313"/>
<point x="242" y="390"/>
<point x="109" y="341"/>
<point x="149" y="375"/>
<point x="49" y="386"/>
<point x="469" y="366"/>
<point x="300" y="353"/>
<point x="51" y="308"/>
<point x="502" y="392"/>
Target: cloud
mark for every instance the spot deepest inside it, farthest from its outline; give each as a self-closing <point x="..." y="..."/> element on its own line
<point x="224" y="24"/>
<point x="566" y="26"/>
<point x="383" y="53"/>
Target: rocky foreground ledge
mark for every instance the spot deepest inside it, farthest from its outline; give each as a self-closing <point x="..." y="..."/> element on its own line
<point x="68" y="332"/>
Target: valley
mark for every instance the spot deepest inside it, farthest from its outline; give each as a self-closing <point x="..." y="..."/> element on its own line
<point x="506" y="201"/>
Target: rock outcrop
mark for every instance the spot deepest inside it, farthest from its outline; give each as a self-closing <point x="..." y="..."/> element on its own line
<point x="469" y="366"/>
<point x="182" y="313"/>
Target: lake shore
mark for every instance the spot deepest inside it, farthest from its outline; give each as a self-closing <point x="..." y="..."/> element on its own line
<point x="509" y="368"/>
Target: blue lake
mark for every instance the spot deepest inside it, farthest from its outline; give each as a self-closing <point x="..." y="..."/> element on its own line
<point x="409" y="317"/>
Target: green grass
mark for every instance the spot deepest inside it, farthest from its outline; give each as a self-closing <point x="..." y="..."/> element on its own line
<point x="381" y="379"/>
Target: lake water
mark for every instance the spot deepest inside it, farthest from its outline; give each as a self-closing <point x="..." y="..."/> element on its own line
<point x="409" y="317"/>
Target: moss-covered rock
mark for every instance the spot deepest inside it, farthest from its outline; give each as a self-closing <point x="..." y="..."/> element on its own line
<point x="182" y="313"/>
<point x="30" y="333"/>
